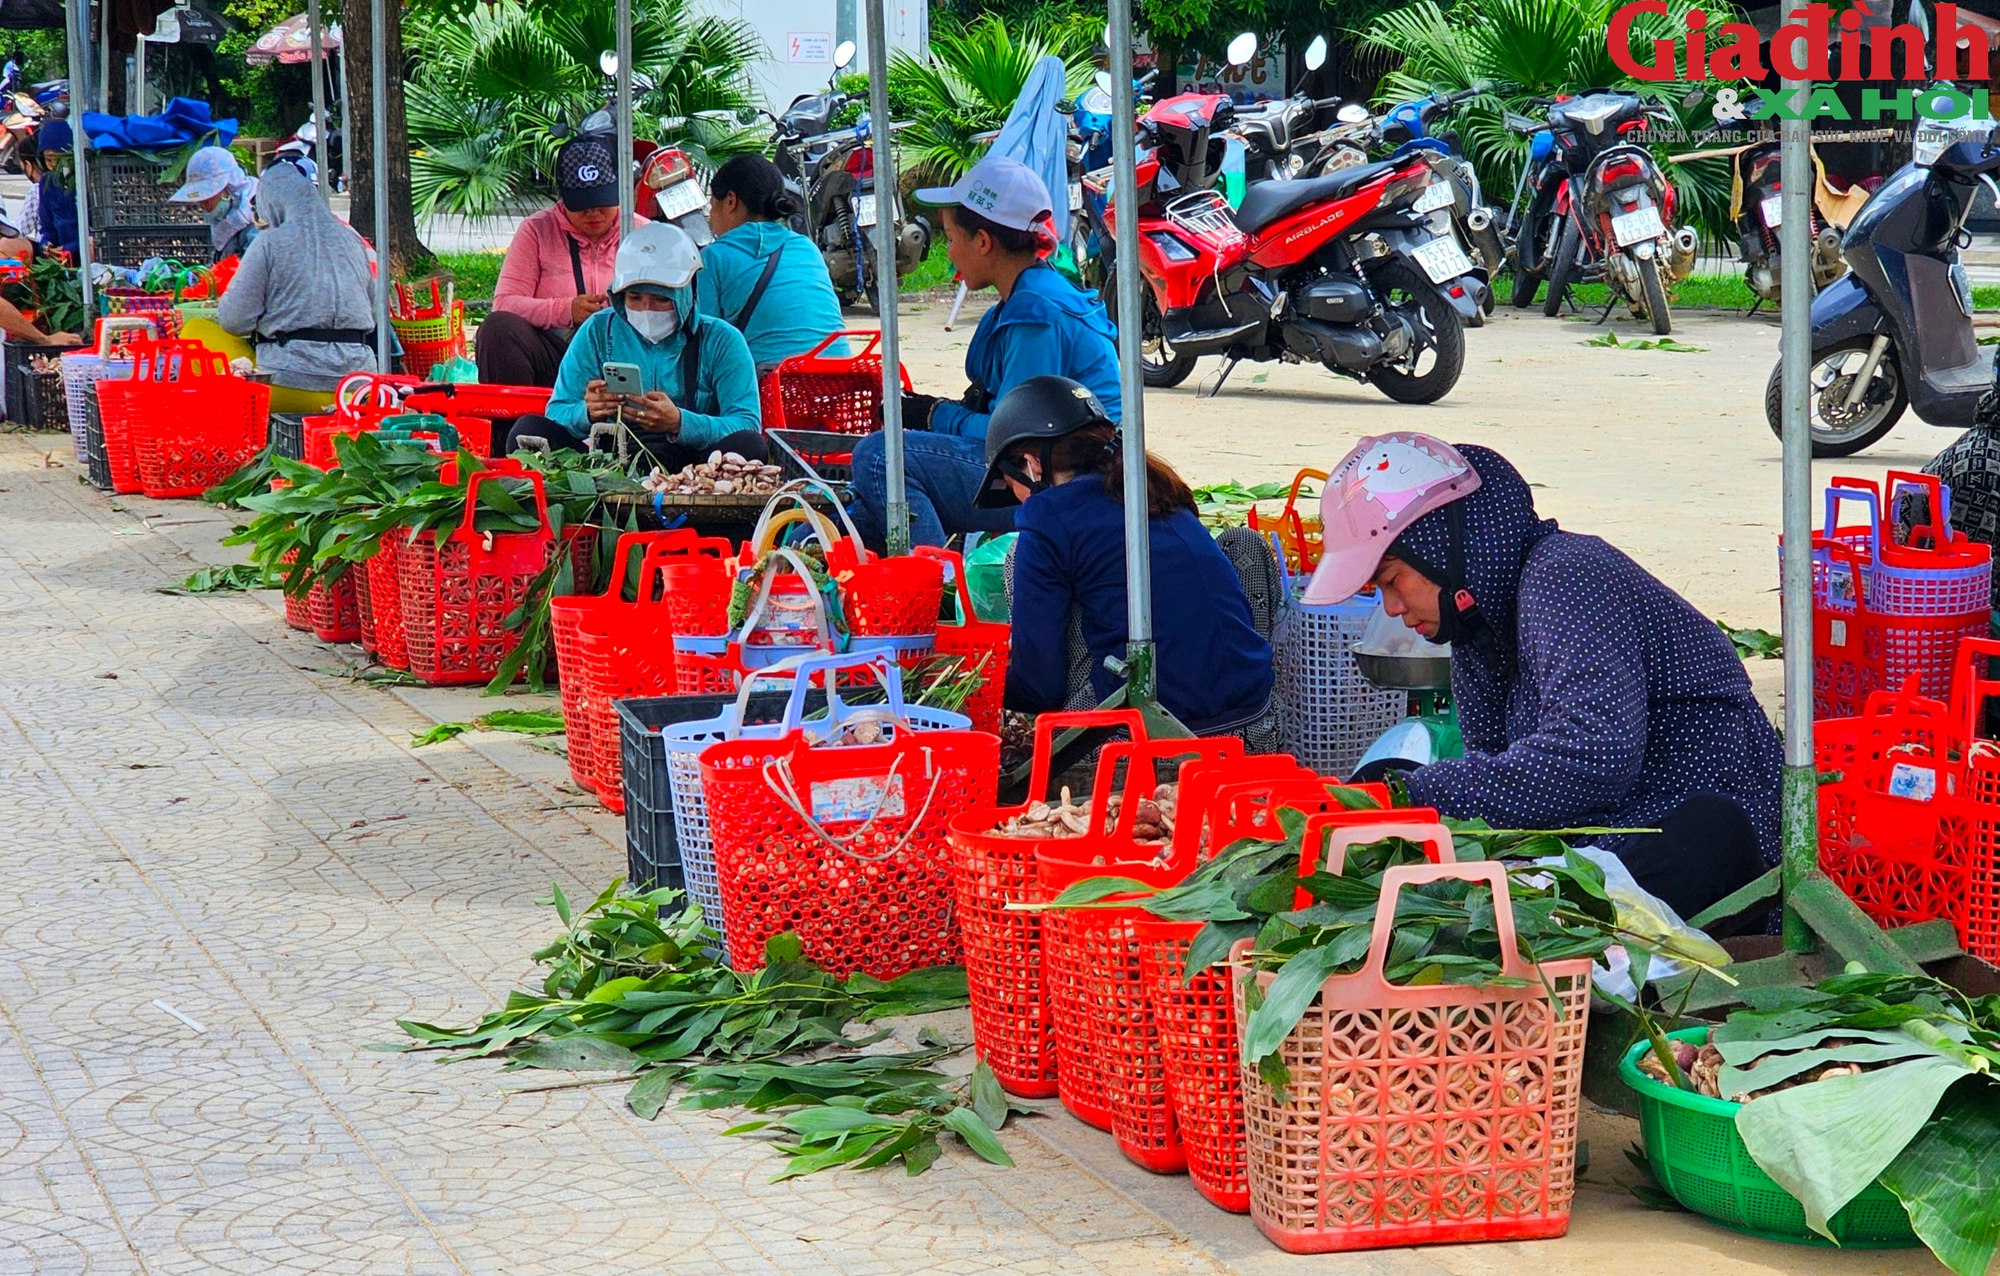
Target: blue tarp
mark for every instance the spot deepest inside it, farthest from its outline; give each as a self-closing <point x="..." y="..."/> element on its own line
<point x="1038" y="135"/>
<point x="184" y="120"/>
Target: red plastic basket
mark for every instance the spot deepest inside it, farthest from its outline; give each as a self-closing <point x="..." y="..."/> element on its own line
<point x="124" y="403"/>
<point x="1420" y="1115"/>
<point x="1197" y="1027"/>
<point x="979" y="644"/>
<point x="846" y="846"/>
<point x="364" y="603"/>
<point x="1013" y="1023"/>
<point x="298" y="610"/>
<point x="189" y="433"/>
<point x="458" y="588"/>
<point x="487" y="402"/>
<point x="1109" y="1069"/>
<point x="385" y="598"/>
<point x="813" y="391"/>
<point x="335" y="609"/>
<point x="892" y="597"/>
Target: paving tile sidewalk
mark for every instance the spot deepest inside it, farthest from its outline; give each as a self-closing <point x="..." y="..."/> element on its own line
<point x="229" y="873"/>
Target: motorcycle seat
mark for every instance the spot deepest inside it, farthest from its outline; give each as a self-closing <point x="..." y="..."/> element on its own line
<point x="1267" y="202"/>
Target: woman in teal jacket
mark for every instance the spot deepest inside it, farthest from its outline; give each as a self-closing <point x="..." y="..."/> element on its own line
<point x="699" y="390"/>
<point x="760" y="276"/>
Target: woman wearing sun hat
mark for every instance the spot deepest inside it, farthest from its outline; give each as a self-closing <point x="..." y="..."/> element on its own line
<point x="1588" y="692"/>
<point x="226" y="195"/>
<point x="996" y="221"/>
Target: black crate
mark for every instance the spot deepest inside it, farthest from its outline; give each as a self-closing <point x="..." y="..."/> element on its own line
<point x="132" y="245"/>
<point x="652" y="851"/>
<point x="810" y="454"/>
<point x="288" y="435"/>
<point x="97" y="460"/>
<point x="126" y="190"/>
<point x="34" y="398"/>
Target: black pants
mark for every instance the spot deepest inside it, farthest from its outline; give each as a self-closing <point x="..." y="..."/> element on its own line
<point x="1706" y="848"/>
<point x="512" y="351"/>
<point x="671" y="456"/>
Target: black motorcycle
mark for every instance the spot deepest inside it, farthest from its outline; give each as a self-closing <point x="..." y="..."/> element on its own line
<point x="1896" y="330"/>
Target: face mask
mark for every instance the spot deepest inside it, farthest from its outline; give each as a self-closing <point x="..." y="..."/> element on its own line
<point x="223" y="208"/>
<point x="655" y="325"/>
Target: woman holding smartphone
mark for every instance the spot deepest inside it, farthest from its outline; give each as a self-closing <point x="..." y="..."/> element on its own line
<point x="682" y="382"/>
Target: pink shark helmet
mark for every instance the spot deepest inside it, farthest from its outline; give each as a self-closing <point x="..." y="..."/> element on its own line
<point x="1385" y="484"/>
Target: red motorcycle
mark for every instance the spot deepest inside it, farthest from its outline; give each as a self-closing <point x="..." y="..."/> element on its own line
<point x="1341" y="270"/>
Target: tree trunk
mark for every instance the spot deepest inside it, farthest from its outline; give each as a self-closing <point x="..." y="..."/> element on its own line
<point x="408" y="257"/>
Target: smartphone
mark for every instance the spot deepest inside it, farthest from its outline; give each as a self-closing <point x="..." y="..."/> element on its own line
<point x="623" y="378"/>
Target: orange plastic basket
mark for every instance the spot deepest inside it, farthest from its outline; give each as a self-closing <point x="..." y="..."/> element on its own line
<point x="458" y="588"/>
<point x="123" y="403"/>
<point x="1420" y="1115"/>
<point x="1299" y="536"/>
<point x="1013" y="1023"/>
<point x="814" y="391"/>
<point x="844" y="845"/>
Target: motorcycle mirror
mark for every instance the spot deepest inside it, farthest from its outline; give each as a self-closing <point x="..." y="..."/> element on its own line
<point x="1242" y="49"/>
<point x="1692" y="99"/>
<point x="597" y="122"/>
<point x="1316" y="53"/>
<point x="1103" y="80"/>
<point x="843" y="54"/>
<point x="1352" y="113"/>
<point x="607" y="62"/>
<point x="1107" y="35"/>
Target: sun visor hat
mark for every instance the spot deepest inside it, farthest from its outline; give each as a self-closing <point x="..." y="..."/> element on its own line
<point x="1004" y="191"/>
<point x="210" y="171"/>
<point x="586" y="174"/>
<point x="1381" y="487"/>
<point x="657" y="253"/>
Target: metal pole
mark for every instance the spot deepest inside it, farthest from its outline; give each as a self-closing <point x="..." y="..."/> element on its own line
<point x="378" y="89"/>
<point x="886" y="207"/>
<point x="624" y="78"/>
<point x="103" y="82"/>
<point x="139" y="76"/>
<point x="1801" y="788"/>
<point x="1141" y="682"/>
<point x="79" y="86"/>
<point x="318" y="62"/>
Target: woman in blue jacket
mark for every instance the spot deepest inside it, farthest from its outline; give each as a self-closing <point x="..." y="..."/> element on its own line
<point x="1044" y="325"/>
<point x="699" y="388"/>
<point x="760" y="276"/>
<point x="1055" y="453"/>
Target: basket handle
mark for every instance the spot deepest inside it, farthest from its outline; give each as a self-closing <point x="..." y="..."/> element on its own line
<point x="1208" y="789"/>
<point x="1492" y="872"/>
<point x="873" y="338"/>
<point x="649" y="544"/>
<point x="801" y="669"/>
<point x="1329" y="836"/>
<point x="1140" y="780"/>
<point x="954" y="576"/>
<point x="111" y="325"/>
<point x="1299" y="480"/>
<point x="1838" y="552"/>
<point x="795" y="492"/>
<point x="1046" y="726"/>
<point x="769" y="577"/>
<point x="1854" y="489"/>
<point x="1939" y="504"/>
<point x="1970" y="688"/>
<point x="466" y="529"/>
<point x="778" y="778"/>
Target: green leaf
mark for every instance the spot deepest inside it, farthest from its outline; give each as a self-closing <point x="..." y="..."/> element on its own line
<point x="1775" y="1068"/>
<point x="978" y="1136"/>
<point x="1093" y="889"/>
<point x="1212" y="944"/>
<point x="578" y="1053"/>
<point x="438" y="734"/>
<point x="1948" y="1178"/>
<point x="650" y="1093"/>
<point x="922" y="1154"/>
<point x="988" y="1100"/>
<point x="561" y="902"/>
<point x="521" y="721"/>
<point x="1826" y="1141"/>
<point x="1293" y="990"/>
<point x="1353" y="799"/>
<point x="785" y="946"/>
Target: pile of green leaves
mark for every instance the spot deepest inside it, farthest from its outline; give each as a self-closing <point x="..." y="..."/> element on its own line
<point x="632" y="988"/>
<point x="515" y="721"/>
<point x="1228" y="504"/>
<point x="1760" y="643"/>
<point x="218" y="580"/>
<point x="1922" y="1117"/>
<point x="253" y="479"/>
<point x="53" y="292"/>
<point x="331" y="519"/>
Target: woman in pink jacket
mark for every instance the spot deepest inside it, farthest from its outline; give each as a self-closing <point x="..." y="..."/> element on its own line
<point x="557" y="272"/>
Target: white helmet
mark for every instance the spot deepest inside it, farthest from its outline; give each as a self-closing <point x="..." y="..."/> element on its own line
<point x="658" y="253"/>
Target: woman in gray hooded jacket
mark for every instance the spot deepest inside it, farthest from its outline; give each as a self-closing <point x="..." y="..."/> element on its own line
<point x="303" y="295"/>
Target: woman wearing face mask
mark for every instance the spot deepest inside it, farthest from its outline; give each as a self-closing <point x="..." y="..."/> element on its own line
<point x="226" y="195"/>
<point x="699" y="387"/>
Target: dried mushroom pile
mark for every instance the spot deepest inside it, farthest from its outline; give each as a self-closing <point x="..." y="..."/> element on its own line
<point x="722" y="474"/>
<point x="1153" y="822"/>
<point x="1703" y="1067"/>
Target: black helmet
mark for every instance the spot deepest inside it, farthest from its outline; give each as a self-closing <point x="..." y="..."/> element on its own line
<point x="1040" y="409"/>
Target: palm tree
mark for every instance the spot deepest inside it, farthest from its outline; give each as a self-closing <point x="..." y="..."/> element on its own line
<point x="495" y="90"/>
<point x="969" y="82"/>
<point x="1531" y="49"/>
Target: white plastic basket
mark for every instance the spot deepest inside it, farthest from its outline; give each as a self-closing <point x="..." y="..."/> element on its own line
<point x="82" y="370"/>
<point x="1329" y="712"/>
<point x="684" y="742"/>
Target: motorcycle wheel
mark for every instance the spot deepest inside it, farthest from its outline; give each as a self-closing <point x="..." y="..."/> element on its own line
<point x="1656" y="298"/>
<point x="1562" y="267"/>
<point x="1836" y="431"/>
<point x="1402" y="289"/>
<point x="1160" y="365"/>
<point x="1525" y="283"/>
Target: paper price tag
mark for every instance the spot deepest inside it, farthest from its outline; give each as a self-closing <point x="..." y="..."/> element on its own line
<point x="857" y="798"/>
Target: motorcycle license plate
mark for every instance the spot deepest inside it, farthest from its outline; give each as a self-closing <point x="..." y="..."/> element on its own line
<point x="1437" y="195"/>
<point x="1774" y="211"/>
<point x="1075" y="196"/>
<point x="864" y="210"/>
<point x="1442" y="259"/>
<point x="1638" y="226"/>
<point x="680" y="199"/>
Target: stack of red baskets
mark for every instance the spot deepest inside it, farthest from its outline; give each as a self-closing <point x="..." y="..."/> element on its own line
<point x="361" y="402"/>
<point x="180" y="423"/>
<point x="815" y="391"/>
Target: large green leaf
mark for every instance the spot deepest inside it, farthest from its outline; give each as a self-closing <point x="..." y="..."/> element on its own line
<point x="1948" y="1178"/>
<point x="1826" y="1141"/>
<point x="1294" y="989"/>
<point x="1784" y="1059"/>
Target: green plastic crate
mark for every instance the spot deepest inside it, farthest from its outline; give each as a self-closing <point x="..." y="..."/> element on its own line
<point x="1699" y="1157"/>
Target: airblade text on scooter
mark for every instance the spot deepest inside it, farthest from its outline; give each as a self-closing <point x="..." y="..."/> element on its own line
<point x="1737" y="53"/>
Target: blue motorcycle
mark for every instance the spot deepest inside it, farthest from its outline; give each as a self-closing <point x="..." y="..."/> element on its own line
<point x="1089" y="152"/>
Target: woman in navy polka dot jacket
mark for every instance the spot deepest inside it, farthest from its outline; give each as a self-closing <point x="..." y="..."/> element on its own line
<point x="1588" y="692"/>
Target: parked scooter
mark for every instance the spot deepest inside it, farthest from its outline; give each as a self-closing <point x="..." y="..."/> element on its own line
<point x="1090" y="150"/>
<point x="832" y="172"/>
<point x="1602" y="207"/>
<point x="1337" y="270"/>
<point x="1896" y="330"/>
<point x="1282" y="138"/>
<point x="665" y="187"/>
<point x="1754" y="205"/>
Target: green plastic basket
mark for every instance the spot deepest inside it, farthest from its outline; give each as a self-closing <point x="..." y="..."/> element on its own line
<point x="1699" y="1157"/>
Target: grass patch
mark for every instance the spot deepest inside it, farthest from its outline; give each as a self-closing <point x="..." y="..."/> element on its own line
<point x="1722" y="292"/>
<point x="935" y="271"/>
<point x="476" y="273"/>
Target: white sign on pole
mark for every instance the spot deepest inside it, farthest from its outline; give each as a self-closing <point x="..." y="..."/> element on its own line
<point x="809" y="46"/>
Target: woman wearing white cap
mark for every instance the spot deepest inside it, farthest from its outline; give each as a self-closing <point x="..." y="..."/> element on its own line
<point x="996" y="221"/>
<point x="226" y="195"/>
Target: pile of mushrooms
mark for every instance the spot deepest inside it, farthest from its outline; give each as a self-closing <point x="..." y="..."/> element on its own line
<point x="722" y="474"/>
<point x="1152" y="823"/>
